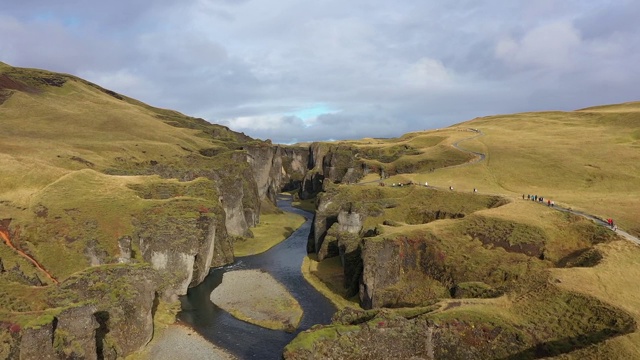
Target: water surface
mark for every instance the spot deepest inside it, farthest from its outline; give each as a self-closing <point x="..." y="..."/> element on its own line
<point x="245" y="340"/>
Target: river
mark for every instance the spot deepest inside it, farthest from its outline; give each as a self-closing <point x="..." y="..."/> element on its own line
<point x="283" y="262"/>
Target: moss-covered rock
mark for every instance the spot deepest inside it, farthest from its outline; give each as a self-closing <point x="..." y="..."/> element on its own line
<point x="548" y="327"/>
<point x="124" y="298"/>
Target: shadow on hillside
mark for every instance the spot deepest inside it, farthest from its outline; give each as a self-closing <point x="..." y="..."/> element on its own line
<point x="567" y="345"/>
<point x="588" y="257"/>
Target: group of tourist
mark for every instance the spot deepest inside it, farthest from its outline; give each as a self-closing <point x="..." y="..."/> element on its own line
<point x="539" y="199"/>
<point x="426" y="184"/>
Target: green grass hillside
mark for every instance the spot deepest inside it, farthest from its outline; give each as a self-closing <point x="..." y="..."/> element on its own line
<point x="84" y="168"/>
<point x="587" y="159"/>
<point x="552" y="284"/>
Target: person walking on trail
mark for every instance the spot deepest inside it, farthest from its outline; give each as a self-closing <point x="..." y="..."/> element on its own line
<point x="611" y="224"/>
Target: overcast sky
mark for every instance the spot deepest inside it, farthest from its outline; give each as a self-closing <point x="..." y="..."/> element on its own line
<point x="294" y="70"/>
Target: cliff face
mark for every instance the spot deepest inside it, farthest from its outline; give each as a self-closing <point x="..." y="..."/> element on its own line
<point x="338" y="230"/>
<point x="336" y="163"/>
<point x="276" y="168"/>
<point x="180" y="249"/>
<point x="125" y="183"/>
<point x="182" y="223"/>
<point x="117" y="321"/>
<point x="415" y="266"/>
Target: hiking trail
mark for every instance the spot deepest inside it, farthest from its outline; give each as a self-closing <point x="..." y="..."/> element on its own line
<point x="597" y="220"/>
<point x="479" y="157"/>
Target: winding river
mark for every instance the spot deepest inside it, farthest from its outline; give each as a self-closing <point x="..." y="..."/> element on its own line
<point x="245" y="340"/>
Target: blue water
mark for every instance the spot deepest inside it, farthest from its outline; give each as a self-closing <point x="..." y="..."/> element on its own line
<point x="245" y="340"/>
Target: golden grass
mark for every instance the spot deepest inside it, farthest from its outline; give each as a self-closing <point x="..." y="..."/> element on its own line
<point x="614" y="281"/>
<point x="566" y="161"/>
<point x="588" y="160"/>
<point x="272" y="229"/>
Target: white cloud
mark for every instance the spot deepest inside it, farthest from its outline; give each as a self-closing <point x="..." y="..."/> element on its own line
<point x="428" y="73"/>
<point x="390" y="67"/>
<point x="263" y="122"/>
<point x="550" y="46"/>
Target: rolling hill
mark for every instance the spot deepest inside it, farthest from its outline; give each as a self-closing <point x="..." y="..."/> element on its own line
<point x="111" y="208"/>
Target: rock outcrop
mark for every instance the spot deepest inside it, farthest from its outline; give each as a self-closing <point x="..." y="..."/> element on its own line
<point x="70" y="335"/>
<point x="431" y="332"/>
<point x="181" y="249"/>
<point x="276" y="168"/>
<point x="125" y="299"/>
<point x="103" y="313"/>
<point x="335" y="163"/>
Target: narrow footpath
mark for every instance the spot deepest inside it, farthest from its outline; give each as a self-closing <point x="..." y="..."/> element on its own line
<point x="479" y="157"/>
<point x="593" y="218"/>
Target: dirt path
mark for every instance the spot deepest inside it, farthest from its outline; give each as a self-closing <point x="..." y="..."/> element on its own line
<point x="481" y="156"/>
<point x="599" y="221"/>
<point x="4" y="234"/>
<point x="593" y="218"/>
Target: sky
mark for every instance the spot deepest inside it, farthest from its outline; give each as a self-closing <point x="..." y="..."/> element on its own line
<point x="293" y="70"/>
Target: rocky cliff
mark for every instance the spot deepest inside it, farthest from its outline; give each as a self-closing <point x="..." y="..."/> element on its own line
<point x="338" y="163"/>
<point x="102" y="313"/>
<point x="111" y="185"/>
<point x="276" y="168"/>
<point x="114" y="191"/>
<point x="456" y="276"/>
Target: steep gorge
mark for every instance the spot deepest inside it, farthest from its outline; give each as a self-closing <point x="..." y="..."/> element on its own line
<point x="126" y="221"/>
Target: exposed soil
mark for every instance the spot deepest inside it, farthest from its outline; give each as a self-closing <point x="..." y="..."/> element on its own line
<point x="5" y="235"/>
<point x="522" y="248"/>
<point x="83" y="161"/>
<point x="7" y="83"/>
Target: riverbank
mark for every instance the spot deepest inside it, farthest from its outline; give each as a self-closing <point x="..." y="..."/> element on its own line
<point x="256" y="297"/>
<point x="272" y="230"/>
<point x="177" y="341"/>
<point x="328" y="278"/>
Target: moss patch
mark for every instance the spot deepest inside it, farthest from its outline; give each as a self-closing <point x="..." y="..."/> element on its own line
<point x="272" y="229"/>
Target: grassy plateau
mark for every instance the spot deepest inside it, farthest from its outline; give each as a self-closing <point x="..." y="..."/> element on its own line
<point x="510" y="263"/>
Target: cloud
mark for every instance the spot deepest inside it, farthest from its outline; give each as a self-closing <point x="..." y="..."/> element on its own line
<point x="550" y="46"/>
<point x="367" y="67"/>
<point x="428" y="73"/>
